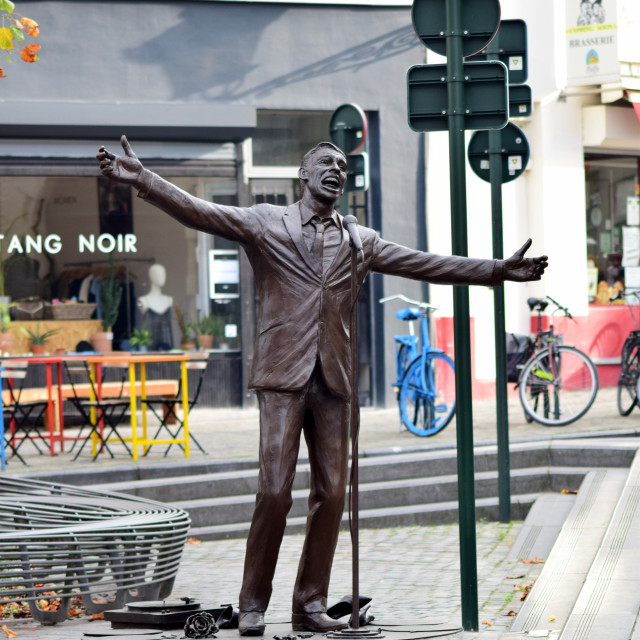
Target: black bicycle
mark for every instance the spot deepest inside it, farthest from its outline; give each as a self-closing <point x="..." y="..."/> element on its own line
<point x="629" y="361"/>
<point x="558" y="383"/>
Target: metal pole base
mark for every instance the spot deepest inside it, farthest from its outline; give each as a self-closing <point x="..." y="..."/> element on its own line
<point x="355" y="634"/>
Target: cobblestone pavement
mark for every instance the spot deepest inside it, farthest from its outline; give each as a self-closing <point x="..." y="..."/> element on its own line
<point x="412" y="574"/>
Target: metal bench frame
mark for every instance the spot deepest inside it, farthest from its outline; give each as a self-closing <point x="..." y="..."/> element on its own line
<point x="74" y="541"/>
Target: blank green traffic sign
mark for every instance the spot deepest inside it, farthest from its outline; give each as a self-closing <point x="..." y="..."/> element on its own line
<point x="485" y="96"/>
<point x="510" y="45"/>
<point x="514" y="153"/>
<point x="480" y="21"/>
<point x="520" y="101"/>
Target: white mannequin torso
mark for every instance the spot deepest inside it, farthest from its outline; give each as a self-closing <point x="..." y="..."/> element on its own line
<point x="155" y="300"/>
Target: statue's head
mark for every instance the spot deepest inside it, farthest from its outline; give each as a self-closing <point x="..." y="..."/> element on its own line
<point x="321" y="150"/>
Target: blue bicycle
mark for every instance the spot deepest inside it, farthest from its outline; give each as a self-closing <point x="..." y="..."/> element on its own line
<point x="425" y="376"/>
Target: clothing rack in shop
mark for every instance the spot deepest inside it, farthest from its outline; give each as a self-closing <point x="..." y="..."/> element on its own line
<point x="125" y="263"/>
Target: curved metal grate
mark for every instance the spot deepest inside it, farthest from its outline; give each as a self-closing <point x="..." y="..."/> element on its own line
<point x="65" y="540"/>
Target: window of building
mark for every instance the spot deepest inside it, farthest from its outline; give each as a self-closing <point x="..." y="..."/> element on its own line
<point x="613" y="224"/>
<point x="283" y="137"/>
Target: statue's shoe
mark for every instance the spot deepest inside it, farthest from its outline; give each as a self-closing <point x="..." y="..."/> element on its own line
<point x="318" y="622"/>
<point x="251" y="623"/>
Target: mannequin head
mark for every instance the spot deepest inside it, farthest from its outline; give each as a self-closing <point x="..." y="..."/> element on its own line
<point x="157" y="275"/>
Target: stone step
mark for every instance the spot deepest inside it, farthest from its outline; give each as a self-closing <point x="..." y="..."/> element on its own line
<point x="554" y="593"/>
<point x="176" y="482"/>
<point x="228" y="509"/>
<point x="413" y="515"/>
<point x="381" y="465"/>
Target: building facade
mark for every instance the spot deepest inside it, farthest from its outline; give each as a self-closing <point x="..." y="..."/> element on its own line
<point x="224" y="97"/>
<point x="578" y="197"/>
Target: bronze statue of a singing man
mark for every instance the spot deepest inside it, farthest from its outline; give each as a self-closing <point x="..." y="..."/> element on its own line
<point x="301" y="261"/>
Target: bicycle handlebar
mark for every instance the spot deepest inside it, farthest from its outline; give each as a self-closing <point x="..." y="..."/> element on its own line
<point x="400" y="296"/>
<point x="565" y="310"/>
<point x="623" y="293"/>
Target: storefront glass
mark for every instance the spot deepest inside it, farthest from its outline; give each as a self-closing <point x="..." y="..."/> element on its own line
<point x="60" y="233"/>
<point x="613" y="225"/>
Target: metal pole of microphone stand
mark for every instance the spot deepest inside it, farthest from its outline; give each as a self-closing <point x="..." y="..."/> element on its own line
<point x="355" y="430"/>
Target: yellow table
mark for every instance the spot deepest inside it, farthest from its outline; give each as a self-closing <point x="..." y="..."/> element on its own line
<point x="141" y="359"/>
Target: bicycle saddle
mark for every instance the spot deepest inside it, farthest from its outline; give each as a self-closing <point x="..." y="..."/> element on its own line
<point x="408" y="314"/>
<point x="537" y="304"/>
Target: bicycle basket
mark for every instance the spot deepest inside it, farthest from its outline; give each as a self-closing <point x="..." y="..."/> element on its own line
<point x="519" y="350"/>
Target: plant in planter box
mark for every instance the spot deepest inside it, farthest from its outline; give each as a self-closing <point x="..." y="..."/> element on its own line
<point x="38" y="339"/>
<point x="110" y="296"/>
<point x="206" y="329"/>
<point x="141" y="339"/>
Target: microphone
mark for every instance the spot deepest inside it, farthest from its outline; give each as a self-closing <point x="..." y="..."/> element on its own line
<point x="350" y="223"/>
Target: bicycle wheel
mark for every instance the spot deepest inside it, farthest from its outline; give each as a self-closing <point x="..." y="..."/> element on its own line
<point x="627" y="392"/>
<point x="428" y="395"/>
<point x="557" y="389"/>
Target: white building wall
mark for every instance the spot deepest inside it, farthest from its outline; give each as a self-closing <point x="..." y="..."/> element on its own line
<point x="546" y="203"/>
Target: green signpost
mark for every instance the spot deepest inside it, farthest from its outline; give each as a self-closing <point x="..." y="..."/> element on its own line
<point x="459" y="28"/>
<point x="486" y="104"/>
<point x="512" y="155"/>
<point x="498" y="157"/>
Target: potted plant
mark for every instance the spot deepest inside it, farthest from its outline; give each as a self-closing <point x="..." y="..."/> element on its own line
<point x="110" y="296"/>
<point x="187" y="341"/>
<point x="38" y="339"/>
<point x="7" y="339"/>
<point x="206" y="329"/>
<point x="141" y="339"/>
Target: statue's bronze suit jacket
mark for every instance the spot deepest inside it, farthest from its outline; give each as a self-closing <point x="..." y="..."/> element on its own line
<point x="304" y="313"/>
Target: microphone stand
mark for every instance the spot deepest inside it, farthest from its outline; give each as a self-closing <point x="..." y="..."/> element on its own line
<point x="354" y="632"/>
<point x="355" y="431"/>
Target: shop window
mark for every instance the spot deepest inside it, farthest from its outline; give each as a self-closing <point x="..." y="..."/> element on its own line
<point x="613" y="225"/>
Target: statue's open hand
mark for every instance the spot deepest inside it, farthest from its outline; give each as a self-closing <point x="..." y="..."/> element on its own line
<point x="125" y="168"/>
<point x="521" y="269"/>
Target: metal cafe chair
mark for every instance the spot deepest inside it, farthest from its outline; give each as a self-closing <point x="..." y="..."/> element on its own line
<point x="166" y="409"/>
<point x="102" y="414"/>
<point x="21" y="417"/>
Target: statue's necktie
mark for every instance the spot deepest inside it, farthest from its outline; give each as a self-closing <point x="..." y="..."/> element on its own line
<point x="326" y="241"/>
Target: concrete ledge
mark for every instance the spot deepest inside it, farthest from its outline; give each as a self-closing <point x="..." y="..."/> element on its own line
<point x="609" y="601"/>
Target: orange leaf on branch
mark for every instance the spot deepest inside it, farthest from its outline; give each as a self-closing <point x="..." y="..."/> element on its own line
<point x="20" y="27"/>
<point x="32" y="27"/>
<point x="30" y="53"/>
